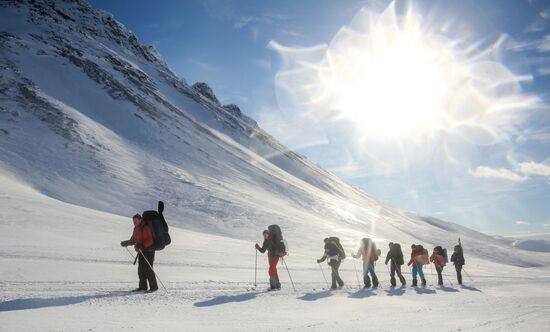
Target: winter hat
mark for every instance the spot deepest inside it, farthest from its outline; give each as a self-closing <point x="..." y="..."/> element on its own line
<point x="413" y="246"/>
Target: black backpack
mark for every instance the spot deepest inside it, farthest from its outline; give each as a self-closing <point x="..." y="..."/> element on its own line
<point x="336" y="241"/>
<point x="155" y="220"/>
<point x="277" y="237"/>
<point x="398" y="254"/>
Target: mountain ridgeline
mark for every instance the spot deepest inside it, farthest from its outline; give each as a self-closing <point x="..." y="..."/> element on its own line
<point x="90" y="116"/>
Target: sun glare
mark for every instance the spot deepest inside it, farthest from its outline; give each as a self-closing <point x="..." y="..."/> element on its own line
<point x="395" y="77"/>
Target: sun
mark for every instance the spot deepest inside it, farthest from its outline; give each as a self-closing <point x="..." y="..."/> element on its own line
<point x="393" y="76"/>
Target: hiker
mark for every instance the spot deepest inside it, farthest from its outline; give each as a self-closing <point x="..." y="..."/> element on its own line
<point x="335" y="254"/>
<point x="458" y="259"/>
<point x="439" y="260"/>
<point x="142" y="240"/>
<point x="370" y="255"/>
<point x="275" y="249"/>
<point x="417" y="260"/>
<point x="395" y="257"/>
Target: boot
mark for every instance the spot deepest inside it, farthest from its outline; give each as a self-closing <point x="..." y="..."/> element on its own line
<point x="374" y="282"/>
<point x="367" y="282"/>
<point x="403" y="281"/>
<point x="277" y="283"/>
<point x="393" y="282"/>
<point x="423" y="282"/>
<point x="272" y="283"/>
<point x="415" y="283"/>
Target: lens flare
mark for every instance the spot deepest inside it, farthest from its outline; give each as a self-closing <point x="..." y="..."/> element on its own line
<point x="395" y="77"/>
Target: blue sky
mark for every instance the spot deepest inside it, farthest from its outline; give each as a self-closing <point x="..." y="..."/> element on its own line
<point x="492" y="175"/>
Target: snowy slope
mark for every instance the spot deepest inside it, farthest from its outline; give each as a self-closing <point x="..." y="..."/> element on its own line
<point x="91" y="117"/>
<point x="63" y="270"/>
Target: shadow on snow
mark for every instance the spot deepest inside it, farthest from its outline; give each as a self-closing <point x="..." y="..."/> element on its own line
<point x="421" y="290"/>
<point x="471" y="288"/>
<point x="362" y="293"/>
<point x="396" y="291"/>
<point x="37" y="303"/>
<point x="315" y="296"/>
<point x="226" y="299"/>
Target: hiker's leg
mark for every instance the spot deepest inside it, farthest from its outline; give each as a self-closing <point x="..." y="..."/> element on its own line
<point x="366" y="278"/>
<point x="421" y="273"/>
<point x="333" y="274"/>
<point x="150" y="255"/>
<point x="392" y="273"/>
<point x="373" y="275"/>
<point x="400" y="275"/>
<point x="141" y="272"/>
<point x="338" y="279"/>
<point x="459" y="274"/>
<point x="273" y="277"/>
<point x="439" y="276"/>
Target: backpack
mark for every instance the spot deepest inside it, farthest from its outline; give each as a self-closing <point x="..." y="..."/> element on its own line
<point x="445" y="255"/>
<point x="277" y="237"/>
<point x="336" y="241"/>
<point x="398" y="254"/>
<point x="156" y="222"/>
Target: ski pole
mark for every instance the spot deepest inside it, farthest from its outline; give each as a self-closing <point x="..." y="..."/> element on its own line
<point x="156" y="275"/>
<point x="472" y="280"/>
<point x="446" y="277"/>
<point x="356" y="274"/>
<point x="128" y="250"/>
<point x="323" y="272"/>
<point x="256" y="269"/>
<point x="292" y="282"/>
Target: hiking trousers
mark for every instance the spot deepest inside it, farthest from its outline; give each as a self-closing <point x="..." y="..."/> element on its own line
<point x="439" y="269"/>
<point x="334" y="266"/>
<point x="458" y="269"/>
<point x="145" y="273"/>
<point x="417" y="270"/>
<point x="396" y="269"/>
<point x="368" y="268"/>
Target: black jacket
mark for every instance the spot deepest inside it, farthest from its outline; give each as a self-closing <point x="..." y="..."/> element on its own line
<point x="273" y="248"/>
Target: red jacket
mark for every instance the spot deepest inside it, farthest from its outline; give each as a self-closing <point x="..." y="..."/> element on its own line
<point x="438" y="259"/>
<point x="142" y="235"/>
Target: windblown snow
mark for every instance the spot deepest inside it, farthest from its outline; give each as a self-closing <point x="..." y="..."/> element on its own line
<point x="95" y="127"/>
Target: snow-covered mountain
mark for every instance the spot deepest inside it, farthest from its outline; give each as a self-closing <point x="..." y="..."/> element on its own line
<point x="91" y="117"/>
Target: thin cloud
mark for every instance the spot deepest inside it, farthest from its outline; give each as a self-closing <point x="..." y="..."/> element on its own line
<point x="522" y="223"/>
<point x="262" y="63"/>
<point x="546" y="225"/>
<point x="494" y="173"/>
<point x="533" y="168"/>
<point x="536" y="26"/>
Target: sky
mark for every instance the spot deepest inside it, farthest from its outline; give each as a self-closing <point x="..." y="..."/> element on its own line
<point x="435" y="107"/>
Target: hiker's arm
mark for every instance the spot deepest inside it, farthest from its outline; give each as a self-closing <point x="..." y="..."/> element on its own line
<point x="358" y="255"/>
<point x="264" y="247"/>
<point x="322" y="259"/>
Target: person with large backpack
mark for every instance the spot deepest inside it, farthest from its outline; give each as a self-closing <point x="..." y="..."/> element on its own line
<point x="395" y="257"/>
<point x="370" y="255"/>
<point x="335" y="254"/>
<point x="142" y="240"/>
<point x="458" y="259"/>
<point x="439" y="258"/>
<point x="418" y="259"/>
<point x="275" y="247"/>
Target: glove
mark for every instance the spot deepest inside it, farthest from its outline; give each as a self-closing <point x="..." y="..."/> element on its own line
<point x="139" y="246"/>
<point x="319" y="261"/>
<point x="258" y="247"/>
<point x="124" y="243"/>
<point x="161" y="207"/>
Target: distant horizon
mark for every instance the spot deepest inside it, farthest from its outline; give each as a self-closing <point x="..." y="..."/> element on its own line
<point x="492" y="174"/>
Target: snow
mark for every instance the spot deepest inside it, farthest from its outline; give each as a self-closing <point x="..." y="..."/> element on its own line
<point x="94" y="127"/>
<point x="64" y="270"/>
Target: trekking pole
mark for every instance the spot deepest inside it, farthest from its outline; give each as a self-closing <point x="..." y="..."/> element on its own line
<point x="128" y="250"/>
<point x="432" y="274"/>
<point x="472" y="280"/>
<point x="256" y="268"/>
<point x="156" y="275"/>
<point x="323" y="272"/>
<point x="292" y="282"/>
<point x="446" y="277"/>
<point x="356" y="274"/>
